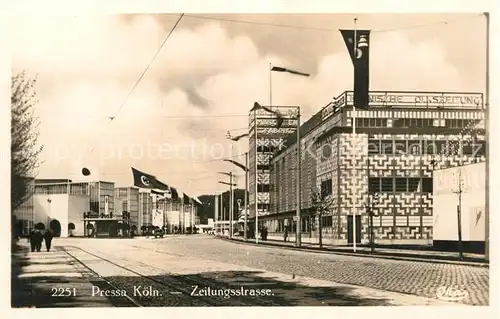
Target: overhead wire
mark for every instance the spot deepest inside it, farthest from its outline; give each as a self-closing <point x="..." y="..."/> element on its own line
<point x="111" y="119"/>
<point x="252" y="23"/>
<point x="409" y="27"/>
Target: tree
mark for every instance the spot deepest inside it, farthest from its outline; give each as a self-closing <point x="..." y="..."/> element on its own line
<point x="24" y="134"/>
<point x="320" y="204"/>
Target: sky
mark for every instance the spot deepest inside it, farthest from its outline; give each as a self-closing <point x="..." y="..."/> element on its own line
<point x="206" y="78"/>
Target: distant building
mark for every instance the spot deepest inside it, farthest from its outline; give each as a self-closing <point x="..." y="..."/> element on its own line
<point x="130" y="203"/>
<point x="400" y="139"/>
<point x="60" y="206"/>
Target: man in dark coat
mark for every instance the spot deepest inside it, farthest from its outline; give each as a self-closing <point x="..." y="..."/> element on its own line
<point x="32" y="240"/>
<point x="36" y="238"/>
<point x="48" y="239"/>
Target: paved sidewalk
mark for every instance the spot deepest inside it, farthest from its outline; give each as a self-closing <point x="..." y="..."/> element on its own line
<point x="389" y="253"/>
<point x="42" y="279"/>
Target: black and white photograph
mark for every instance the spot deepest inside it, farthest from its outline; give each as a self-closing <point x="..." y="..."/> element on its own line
<point x="250" y="159"/>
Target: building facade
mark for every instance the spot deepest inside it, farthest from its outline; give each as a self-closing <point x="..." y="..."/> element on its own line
<point x="59" y="203"/>
<point x="266" y="134"/>
<point x="400" y="140"/>
<point x="130" y="203"/>
<point x="145" y="209"/>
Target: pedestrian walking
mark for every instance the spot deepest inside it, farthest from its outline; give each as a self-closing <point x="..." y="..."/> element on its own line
<point x="36" y="240"/>
<point x="48" y="239"/>
<point x="285" y="235"/>
<point x="32" y="240"/>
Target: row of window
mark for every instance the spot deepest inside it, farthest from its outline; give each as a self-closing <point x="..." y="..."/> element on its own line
<point x="400" y="184"/>
<point x="411" y="122"/>
<point x="418" y="147"/>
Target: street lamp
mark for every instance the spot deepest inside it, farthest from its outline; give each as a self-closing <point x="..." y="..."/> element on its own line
<point x="231" y="184"/>
<point x="245" y="168"/>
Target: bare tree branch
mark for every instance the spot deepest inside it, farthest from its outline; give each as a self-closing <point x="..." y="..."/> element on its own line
<point x="24" y="137"/>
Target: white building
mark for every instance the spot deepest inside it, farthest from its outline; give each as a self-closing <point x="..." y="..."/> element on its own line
<point x="467" y="182"/>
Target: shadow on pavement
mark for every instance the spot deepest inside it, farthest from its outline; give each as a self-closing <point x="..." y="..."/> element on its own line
<point x="33" y="289"/>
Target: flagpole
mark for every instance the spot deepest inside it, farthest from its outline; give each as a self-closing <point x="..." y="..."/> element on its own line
<point x="297" y="173"/>
<point x="216" y="211"/>
<point x="256" y="181"/>
<point x="352" y="145"/>
<point x="487" y="138"/>
<point x="231" y="205"/>
<point x="270" y="86"/>
<point x="246" y="195"/>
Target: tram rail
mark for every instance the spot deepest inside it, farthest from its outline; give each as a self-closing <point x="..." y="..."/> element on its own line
<point x="180" y="290"/>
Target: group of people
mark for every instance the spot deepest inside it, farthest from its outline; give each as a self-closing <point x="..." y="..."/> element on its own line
<point x="36" y="238"/>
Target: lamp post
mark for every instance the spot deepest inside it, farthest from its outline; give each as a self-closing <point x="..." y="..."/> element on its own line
<point x="245" y="168"/>
<point x="298" y="186"/>
<point x="231" y="204"/>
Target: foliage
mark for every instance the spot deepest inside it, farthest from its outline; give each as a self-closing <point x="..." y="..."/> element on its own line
<point x="320" y="204"/>
<point x="24" y="135"/>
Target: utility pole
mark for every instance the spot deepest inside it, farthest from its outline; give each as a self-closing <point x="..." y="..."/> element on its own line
<point x="299" y="222"/>
<point x="459" y="213"/>
<point x="231" y="205"/>
<point x="246" y="195"/>
<point x="231" y="184"/>
<point x="216" y="211"/>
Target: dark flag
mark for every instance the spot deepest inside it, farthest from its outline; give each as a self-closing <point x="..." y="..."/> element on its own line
<point x="143" y="180"/>
<point x="360" y="59"/>
<point x="164" y="188"/>
<point x="186" y="199"/>
<point x="281" y="69"/>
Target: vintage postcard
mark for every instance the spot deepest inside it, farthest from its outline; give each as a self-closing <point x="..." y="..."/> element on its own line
<point x="228" y="160"/>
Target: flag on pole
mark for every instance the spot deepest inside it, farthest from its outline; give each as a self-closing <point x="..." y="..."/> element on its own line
<point x="143" y="180"/>
<point x="281" y="69"/>
<point x="360" y="57"/>
<point x="186" y="199"/>
<point x="237" y="138"/>
<point x="165" y="189"/>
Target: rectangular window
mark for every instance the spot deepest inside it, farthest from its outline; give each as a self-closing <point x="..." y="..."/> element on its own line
<point x="262" y="167"/>
<point x="374" y="185"/>
<point x="427" y="185"/>
<point x="414" y="185"/>
<point x="386" y="185"/>
<point x="326" y="221"/>
<point x="263" y="188"/>
<point x="387" y="147"/>
<point x="401" y="185"/>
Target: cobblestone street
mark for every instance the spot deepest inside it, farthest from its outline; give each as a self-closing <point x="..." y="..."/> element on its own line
<point x="409" y="277"/>
<point x="175" y="265"/>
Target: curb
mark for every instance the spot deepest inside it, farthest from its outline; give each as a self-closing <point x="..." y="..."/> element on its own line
<point x="366" y="254"/>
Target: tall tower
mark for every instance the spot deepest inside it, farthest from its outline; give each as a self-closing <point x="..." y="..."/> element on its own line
<point x="268" y="130"/>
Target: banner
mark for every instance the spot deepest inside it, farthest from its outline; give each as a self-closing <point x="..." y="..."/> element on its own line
<point x="360" y="57"/>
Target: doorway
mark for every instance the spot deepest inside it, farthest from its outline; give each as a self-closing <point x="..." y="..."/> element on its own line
<point x="55" y="226"/>
<point x="350" y="229"/>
